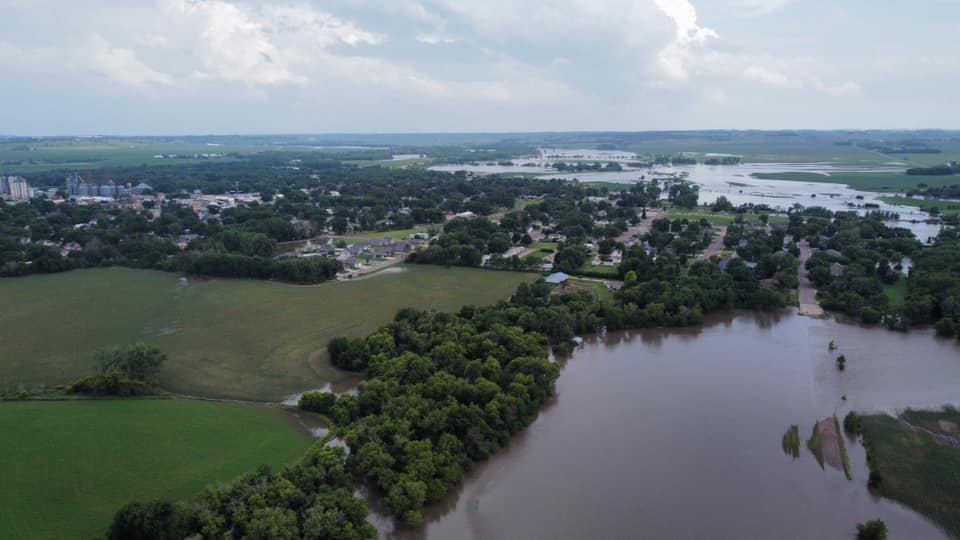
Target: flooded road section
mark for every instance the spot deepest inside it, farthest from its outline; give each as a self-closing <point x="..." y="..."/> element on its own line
<point x="680" y="434"/>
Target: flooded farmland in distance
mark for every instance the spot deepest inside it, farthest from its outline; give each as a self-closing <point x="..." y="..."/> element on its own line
<point x="736" y="183"/>
<point x="681" y="434"/>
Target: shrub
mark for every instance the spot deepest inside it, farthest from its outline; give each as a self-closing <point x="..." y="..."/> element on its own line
<point x="875" y="529"/>
<point x="157" y="520"/>
<point x="319" y="402"/>
<point x="946" y="327"/>
<point x="139" y="362"/>
<point x="851" y="423"/>
<point x="114" y="383"/>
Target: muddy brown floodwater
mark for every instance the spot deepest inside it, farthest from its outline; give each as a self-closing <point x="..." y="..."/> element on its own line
<point x="678" y="434"/>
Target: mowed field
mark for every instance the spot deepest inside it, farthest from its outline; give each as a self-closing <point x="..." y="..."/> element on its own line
<point x="69" y="465"/>
<point x="225" y="338"/>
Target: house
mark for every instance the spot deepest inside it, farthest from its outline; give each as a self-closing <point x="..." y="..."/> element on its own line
<point x="350" y="263"/>
<point x="557" y="278"/>
<point x="837" y="269"/>
<point x="834" y="253"/>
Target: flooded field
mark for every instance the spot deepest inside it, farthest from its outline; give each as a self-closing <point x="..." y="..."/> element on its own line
<point x="680" y="434"/>
<point x="736" y="183"/>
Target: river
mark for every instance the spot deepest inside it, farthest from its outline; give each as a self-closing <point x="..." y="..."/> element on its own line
<point x="677" y="434"/>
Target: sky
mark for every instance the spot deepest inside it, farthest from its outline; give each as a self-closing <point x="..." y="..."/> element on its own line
<point x="137" y="67"/>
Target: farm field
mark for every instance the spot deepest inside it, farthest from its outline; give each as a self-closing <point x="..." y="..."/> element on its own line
<point x="225" y="338"/>
<point x="883" y="182"/>
<point x="69" y="465"/>
<point x="85" y="154"/>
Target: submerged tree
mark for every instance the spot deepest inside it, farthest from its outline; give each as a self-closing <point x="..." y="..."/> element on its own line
<point x="875" y="529"/>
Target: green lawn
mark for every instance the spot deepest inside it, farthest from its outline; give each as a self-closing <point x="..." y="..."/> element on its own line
<point x="225" y="338"/>
<point x="67" y="466"/>
<point x="897" y="292"/>
<point x="615" y="187"/>
<point x="914" y="468"/>
<point x="719" y="218"/>
<point x="396" y="235"/>
<point x="866" y="181"/>
<point x="604" y="270"/>
<point x="603" y="293"/>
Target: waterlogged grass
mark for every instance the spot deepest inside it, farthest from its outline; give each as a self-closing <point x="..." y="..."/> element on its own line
<point x="225" y="338"/>
<point x="913" y="467"/>
<point x="68" y="466"/>
<point x="843" y="449"/>
<point x="924" y="204"/>
<point x="887" y="182"/>
<point x="815" y="444"/>
<point x="791" y="442"/>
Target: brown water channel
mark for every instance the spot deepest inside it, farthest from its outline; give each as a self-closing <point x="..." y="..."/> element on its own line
<point x="677" y="434"/>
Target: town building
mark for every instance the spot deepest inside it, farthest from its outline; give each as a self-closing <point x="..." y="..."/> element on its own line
<point x="14" y="188"/>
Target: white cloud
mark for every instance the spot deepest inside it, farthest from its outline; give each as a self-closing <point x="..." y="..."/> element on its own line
<point x="769" y="77"/>
<point x="122" y="66"/>
<point x="434" y="39"/>
<point x="259" y="46"/>
<point x="762" y="7"/>
<point x="676" y="55"/>
<point x="324" y="28"/>
<point x="232" y="46"/>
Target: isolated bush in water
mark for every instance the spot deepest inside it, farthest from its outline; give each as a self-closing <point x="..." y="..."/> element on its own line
<point x="875" y="529"/>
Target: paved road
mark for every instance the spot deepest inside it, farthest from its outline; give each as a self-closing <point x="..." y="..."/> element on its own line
<point x="641" y="228"/>
<point x="716" y="245"/>
<point x="808" y="294"/>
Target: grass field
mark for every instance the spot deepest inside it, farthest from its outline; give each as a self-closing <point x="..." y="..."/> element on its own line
<point x="914" y="468"/>
<point x="719" y="218"/>
<point x="923" y="204"/>
<point x="602" y="292"/>
<point x="68" y="466"/>
<point x="884" y="182"/>
<point x="604" y="270"/>
<point x="396" y="235"/>
<point x="225" y="338"/>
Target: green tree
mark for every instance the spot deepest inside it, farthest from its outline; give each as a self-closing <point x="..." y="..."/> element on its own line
<point x="875" y="529"/>
<point x="140" y="362"/>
